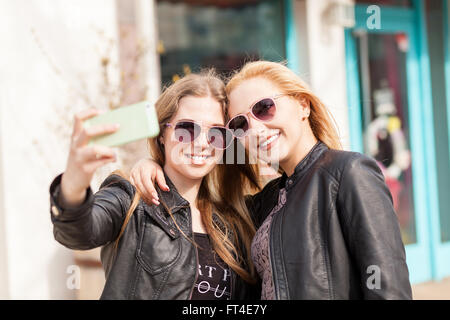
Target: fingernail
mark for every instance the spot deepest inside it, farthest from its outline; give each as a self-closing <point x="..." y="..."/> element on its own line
<point x="167" y="187"/>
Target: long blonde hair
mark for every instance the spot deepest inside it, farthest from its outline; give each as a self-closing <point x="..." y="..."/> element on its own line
<point x="216" y="193"/>
<point x="285" y="79"/>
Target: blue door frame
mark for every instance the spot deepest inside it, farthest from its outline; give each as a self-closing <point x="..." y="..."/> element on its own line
<point x="428" y="258"/>
<point x="442" y="256"/>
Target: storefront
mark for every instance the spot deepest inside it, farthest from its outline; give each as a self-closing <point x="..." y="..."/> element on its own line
<point x="398" y="94"/>
<point x="383" y="78"/>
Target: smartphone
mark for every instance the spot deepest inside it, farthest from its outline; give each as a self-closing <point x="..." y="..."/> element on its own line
<point x="137" y="121"/>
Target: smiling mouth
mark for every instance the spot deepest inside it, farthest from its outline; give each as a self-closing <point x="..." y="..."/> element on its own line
<point x="198" y="157"/>
<point x="268" y="141"/>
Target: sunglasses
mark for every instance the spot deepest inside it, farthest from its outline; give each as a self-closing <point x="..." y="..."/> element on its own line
<point x="263" y="110"/>
<point x="186" y="131"/>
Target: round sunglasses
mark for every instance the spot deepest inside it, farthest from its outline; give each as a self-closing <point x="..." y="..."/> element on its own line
<point x="263" y="110"/>
<point x="186" y="131"/>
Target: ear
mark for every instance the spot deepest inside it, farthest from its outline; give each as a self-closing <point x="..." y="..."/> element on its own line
<point x="161" y="141"/>
<point x="305" y="109"/>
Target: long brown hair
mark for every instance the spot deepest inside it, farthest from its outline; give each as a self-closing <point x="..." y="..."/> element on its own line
<point x="320" y="120"/>
<point x="216" y="193"/>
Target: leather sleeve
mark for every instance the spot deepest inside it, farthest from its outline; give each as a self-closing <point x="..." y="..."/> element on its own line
<point x="371" y="229"/>
<point x="97" y="220"/>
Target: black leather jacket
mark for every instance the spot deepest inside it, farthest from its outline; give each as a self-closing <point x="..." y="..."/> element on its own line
<point x="153" y="260"/>
<point x="337" y="229"/>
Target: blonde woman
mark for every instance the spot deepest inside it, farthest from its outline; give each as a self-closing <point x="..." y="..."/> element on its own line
<point x="326" y="228"/>
<point x="195" y="244"/>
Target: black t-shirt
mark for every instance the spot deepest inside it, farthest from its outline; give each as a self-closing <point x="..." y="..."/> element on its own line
<point x="213" y="281"/>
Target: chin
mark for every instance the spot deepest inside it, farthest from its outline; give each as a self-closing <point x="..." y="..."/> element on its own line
<point x="272" y="156"/>
<point x="195" y="172"/>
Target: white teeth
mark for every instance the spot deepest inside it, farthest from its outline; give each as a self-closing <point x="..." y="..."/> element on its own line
<point x="197" y="158"/>
<point x="265" y="143"/>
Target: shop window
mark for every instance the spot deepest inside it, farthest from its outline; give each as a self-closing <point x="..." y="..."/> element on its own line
<point x="197" y="34"/>
<point x="383" y="77"/>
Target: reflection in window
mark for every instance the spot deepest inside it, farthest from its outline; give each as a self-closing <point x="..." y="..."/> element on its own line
<point x="386" y="120"/>
<point x="222" y="34"/>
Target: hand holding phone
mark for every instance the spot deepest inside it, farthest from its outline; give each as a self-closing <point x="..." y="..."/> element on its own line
<point x="84" y="160"/>
<point x="137" y="121"/>
<point x="93" y="136"/>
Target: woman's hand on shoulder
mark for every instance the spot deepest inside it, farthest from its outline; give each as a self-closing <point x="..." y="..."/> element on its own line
<point x="143" y="176"/>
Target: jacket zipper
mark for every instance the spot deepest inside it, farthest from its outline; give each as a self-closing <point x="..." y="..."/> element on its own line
<point x="277" y="216"/>
<point x="270" y="257"/>
<point x="196" y="254"/>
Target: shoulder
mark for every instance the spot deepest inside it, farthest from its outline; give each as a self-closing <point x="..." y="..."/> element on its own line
<point x="270" y="187"/>
<point x="115" y="182"/>
<point x="339" y="163"/>
<point x="254" y="202"/>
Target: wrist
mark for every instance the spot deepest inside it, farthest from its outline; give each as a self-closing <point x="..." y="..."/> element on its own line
<point x="69" y="196"/>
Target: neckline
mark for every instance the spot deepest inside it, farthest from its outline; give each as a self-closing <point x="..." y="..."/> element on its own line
<point x="200" y="234"/>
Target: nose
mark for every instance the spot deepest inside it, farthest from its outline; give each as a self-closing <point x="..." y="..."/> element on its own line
<point x="255" y="126"/>
<point x="201" y="143"/>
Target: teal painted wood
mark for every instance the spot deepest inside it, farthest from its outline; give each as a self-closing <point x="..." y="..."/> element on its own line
<point x="419" y="256"/>
<point x="353" y="94"/>
<point x="430" y="154"/>
<point x="442" y="249"/>
<point x="447" y="59"/>
<point x="292" y="55"/>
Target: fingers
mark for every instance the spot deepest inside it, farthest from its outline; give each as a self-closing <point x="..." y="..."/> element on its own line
<point x="148" y="184"/>
<point x="133" y="182"/>
<point x="137" y="183"/>
<point x="88" y="133"/>
<point x="81" y="116"/>
<point x="95" y="152"/>
<point x="140" y="187"/>
<point x="161" y="180"/>
<point x="94" y="165"/>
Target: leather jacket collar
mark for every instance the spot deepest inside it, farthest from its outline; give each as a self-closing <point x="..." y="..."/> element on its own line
<point x="303" y="165"/>
<point x="172" y="199"/>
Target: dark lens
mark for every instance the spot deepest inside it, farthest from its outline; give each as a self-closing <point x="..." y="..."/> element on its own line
<point x="186" y="131"/>
<point x="220" y="137"/>
<point x="264" y="109"/>
<point x="239" y="125"/>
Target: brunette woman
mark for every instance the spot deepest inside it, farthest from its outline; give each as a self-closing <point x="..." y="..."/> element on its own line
<point x="195" y="244"/>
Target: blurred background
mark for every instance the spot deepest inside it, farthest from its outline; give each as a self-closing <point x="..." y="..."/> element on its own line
<point x="382" y="67"/>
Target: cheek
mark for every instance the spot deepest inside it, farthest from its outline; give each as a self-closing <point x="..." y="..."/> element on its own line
<point x="289" y="114"/>
<point x="174" y="151"/>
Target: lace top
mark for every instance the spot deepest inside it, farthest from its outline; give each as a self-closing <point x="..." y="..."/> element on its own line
<point x="260" y="251"/>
